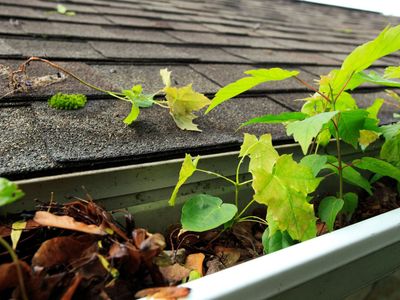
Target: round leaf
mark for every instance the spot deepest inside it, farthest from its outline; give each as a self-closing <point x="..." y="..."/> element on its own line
<point x="204" y="212"/>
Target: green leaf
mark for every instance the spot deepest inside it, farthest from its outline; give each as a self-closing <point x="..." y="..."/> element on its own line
<point x="350" y="124"/>
<point x="324" y="136"/>
<point x="280" y="118"/>
<point x="187" y="170"/>
<point x="135" y="95"/>
<point x="392" y="72"/>
<point x="390" y="150"/>
<point x="182" y="102"/>
<point x="16" y="232"/>
<point x="166" y="77"/>
<point x="257" y="77"/>
<point x="390" y="131"/>
<point x="132" y="115"/>
<point x="279" y="240"/>
<point x="372" y="77"/>
<point x="378" y="166"/>
<point x="352" y="176"/>
<point x="193" y="275"/>
<point x="328" y="210"/>
<point x="374" y="109"/>
<point x="204" y="212"/>
<point x="9" y="192"/>
<point x="345" y="102"/>
<point x="315" y="162"/>
<point x="70" y="13"/>
<point x="304" y="131"/>
<point x="285" y="191"/>
<point x="388" y="41"/>
<point x="350" y="204"/>
<point x="262" y="154"/>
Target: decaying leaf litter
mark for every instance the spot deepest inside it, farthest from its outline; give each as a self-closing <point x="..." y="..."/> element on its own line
<point x="78" y="250"/>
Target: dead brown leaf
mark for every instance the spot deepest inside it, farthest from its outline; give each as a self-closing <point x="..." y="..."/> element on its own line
<point x="159" y="293"/>
<point x="61" y="250"/>
<point x="228" y="256"/>
<point x="195" y="262"/>
<point x="8" y="274"/>
<point x="45" y="218"/>
<point x="175" y="273"/>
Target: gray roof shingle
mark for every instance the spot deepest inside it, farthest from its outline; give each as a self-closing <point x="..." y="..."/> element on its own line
<point x="116" y="44"/>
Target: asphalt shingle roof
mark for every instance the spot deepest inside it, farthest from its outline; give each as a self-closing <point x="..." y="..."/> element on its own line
<point x="115" y="44"/>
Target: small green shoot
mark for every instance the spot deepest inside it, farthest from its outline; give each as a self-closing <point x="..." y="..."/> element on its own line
<point x="62" y="10"/>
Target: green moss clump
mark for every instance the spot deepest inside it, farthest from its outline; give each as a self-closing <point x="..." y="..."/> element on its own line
<point x="67" y="101"/>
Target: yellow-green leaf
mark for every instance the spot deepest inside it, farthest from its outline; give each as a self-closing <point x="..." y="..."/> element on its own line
<point x="262" y="154"/>
<point x="132" y="115"/>
<point x="243" y="84"/>
<point x="166" y="77"/>
<point x="285" y="191"/>
<point x="187" y="170"/>
<point x="367" y="137"/>
<point x="106" y="265"/>
<point x="388" y="41"/>
<point x="17" y="228"/>
<point x="392" y="72"/>
<point x="374" y="109"/>
<point x="182" y="102"/>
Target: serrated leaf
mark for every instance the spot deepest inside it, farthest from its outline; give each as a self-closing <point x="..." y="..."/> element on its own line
<point x="351" y="176"/>
<point x="362" y="57"/>
<point x="390" y="131"/>
<point x="315" y="162"/>
<point x="392" y="72"/>
<point x="284" y="191"/>
<point x="9" y="192"/>
<point x="166" y="77"/>
<point x="304" y="131"/>
<point x="367" y="137"/>
<point x="182" y="102"/>
<point x="204" y="212"/>
<point x="390" y="150"/>
<point x="280" y="118"/>
<point x="350" y="124"/>
<point x="328" y="210"/>
<point x="262" y="154"/>
<point x="350" y="204"/>
<point x="132" y="115"/>
<point x="189" y="165"/>
<point x="257" y="77"/>
<point x="297" y="176"/>
<point x="378" y="166"/>
<point x="16" y="231"/>
<point x="279" y="240"/>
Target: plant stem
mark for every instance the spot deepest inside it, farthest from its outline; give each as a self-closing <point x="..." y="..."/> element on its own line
<point x="246" y="182"/>
<point x="217" y="175"/>
<point x="15" y="260"/>
<point x="339" y="157"/>
<point x="58" y="67"/>
<point x="253" y="219"/>
<point x="312" y="88"/>
<point x="244" y="209"/>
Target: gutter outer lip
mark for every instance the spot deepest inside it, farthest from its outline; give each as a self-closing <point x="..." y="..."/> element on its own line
<point x="269" y="275"/>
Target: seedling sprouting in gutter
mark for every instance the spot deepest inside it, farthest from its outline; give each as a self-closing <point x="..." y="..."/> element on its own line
<point x="284" y="185"/>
